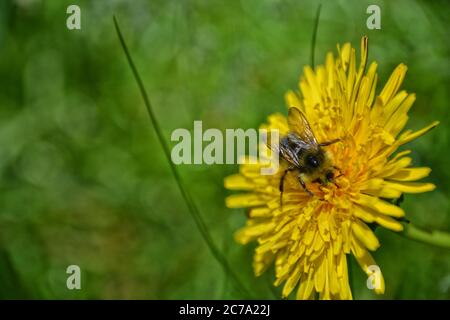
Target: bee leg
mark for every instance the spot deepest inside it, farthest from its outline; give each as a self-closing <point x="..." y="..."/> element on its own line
<point x="340" y="172"/>
<point x="304" y="185"/>
<point x="340" y="175"/>
<point x="327" y="143"/>
<point x="281" y="187"/>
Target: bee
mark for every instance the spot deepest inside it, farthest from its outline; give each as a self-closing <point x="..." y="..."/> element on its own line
<point x="304" y="153"/>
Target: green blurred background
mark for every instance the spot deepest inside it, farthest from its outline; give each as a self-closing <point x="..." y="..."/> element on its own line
<point x="84" y="180"/>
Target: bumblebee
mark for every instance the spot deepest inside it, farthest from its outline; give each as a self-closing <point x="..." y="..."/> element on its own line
<point x="304" y="153"/>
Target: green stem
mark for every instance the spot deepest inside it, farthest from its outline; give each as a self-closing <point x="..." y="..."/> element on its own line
<point x="193" y="210"/>
<point x="431" y="237"/>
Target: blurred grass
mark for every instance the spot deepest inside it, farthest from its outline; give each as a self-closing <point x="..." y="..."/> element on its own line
<point x="84" y="180"/>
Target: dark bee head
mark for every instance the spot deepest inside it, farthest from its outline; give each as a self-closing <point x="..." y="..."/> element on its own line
<point x="313" y="161"/>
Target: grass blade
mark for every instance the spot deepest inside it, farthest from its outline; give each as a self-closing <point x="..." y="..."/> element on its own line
<point x="193" y="210"/>
<point x="314" y="35"/>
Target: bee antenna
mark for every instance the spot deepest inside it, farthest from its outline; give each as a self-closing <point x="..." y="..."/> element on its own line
<point x="327" y="143"/>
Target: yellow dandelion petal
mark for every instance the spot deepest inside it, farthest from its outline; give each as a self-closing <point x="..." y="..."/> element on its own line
<point x="292" y="99"/>
<point x="393" y="84"/>
<point x="244" y="200"/>
<point x="306" y="288"/>
<point x="320" y="275"/>
<point x="365" y="235"/>
<point x="410" y="187"/>
<point x="368" y="215"/>
<point x="410" y="174"/>
<point x="366" y="263"/>
<point x="380" y="205"/>
<point x="292" y="281"/>
<point x="409" y="136"/>
<point x="252" y="231"/>
<point x="261" y="212"/>
<point x="238" y="182"/>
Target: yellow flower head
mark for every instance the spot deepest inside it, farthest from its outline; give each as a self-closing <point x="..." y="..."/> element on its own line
<point x="309" y="237"/>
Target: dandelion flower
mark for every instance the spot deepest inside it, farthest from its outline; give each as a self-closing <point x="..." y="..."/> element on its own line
<point x="308" y="238"/>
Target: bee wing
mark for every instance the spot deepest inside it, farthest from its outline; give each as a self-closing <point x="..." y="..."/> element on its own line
<point x="290" y="156"/>
<point x="299" y="125"/>
<point x="274" y="146"/>
<point x="281" y="148"/>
